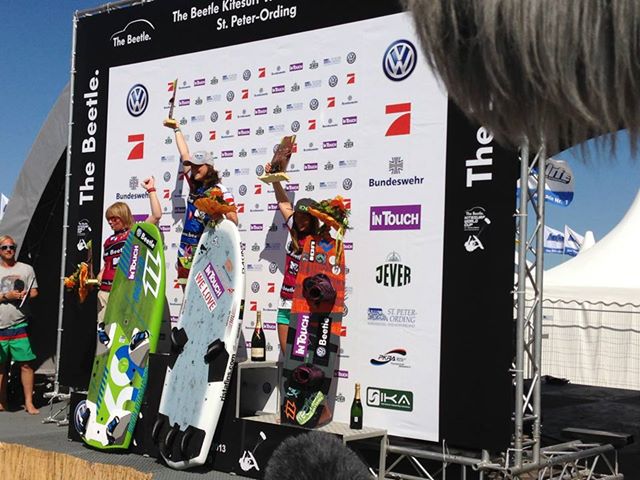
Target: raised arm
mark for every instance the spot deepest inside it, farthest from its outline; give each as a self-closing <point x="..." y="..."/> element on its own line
<point x="181" y="143"/>
<point x="283" y="200"/>
<point x="156" y="211"/>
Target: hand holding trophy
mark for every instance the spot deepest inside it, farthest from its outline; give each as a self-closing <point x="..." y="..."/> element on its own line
<point x="275" y="171"/>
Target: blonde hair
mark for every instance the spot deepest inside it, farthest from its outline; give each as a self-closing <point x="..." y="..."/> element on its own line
<point x="7" y="237"/>
<point x="553" y="72"/>
<point x="122" y="211"/>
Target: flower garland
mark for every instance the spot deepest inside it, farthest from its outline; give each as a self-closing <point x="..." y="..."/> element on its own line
<point x="79" y="281"/>
<point x="213" y="203"/>
<point x="334" y="213"/>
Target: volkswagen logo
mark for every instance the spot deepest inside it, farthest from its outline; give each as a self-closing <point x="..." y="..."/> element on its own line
<point x="273" y="267"/>
<point x="259" y="170"/>
<point x="314" y="104"/>
<point x="255" y="287"/>
<point x="214" y="117"/>
<point x="137" y="100"/>
<point x="230" y="96"/>
<point x="198" y="136"/>
<point x="80" y="416"/>
<point x="351" y="57"/>
<point x="347" y="184"/>
<point x="399" y="60"/>
<point x="333" y="81"/>
<point x="295" y="126"/>
<point x="246" y="75"/>
<point x="242" y="190"/>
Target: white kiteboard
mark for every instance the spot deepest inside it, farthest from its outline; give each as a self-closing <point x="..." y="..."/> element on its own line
<point x="205" y="342"/>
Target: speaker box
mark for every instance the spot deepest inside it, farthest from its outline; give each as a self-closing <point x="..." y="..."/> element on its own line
<point x="75" y="399"/>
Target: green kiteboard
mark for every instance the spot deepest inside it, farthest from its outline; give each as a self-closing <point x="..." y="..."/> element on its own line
<point x="126" y="337"/>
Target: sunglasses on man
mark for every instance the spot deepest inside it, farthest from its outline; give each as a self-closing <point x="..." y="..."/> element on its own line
<point x="7" y="247"/>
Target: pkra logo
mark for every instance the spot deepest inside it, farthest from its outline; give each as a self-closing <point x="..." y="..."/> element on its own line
<point x="399" y="60"/>
<point x="401" y="125"/>
<point x="137" y="150"/>
<point x="137" y="100"/>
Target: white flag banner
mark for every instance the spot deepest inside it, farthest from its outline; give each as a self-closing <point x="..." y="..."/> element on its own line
<point x="4" y="200"/>
<point x="553" y="240"/>
<point x="559" y="183"/>
<point x="572" y="241"/>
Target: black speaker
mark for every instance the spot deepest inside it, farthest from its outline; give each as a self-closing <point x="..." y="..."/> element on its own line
<point x="142" y="442"/>
<point x="72" y="432"/>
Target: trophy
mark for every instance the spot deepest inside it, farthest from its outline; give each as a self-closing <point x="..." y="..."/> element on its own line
<point x="172" y="100"/>
<point x="278" y="165"/>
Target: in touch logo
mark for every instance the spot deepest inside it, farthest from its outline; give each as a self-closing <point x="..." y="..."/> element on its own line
<point x="395" y="217"/>
<point x="133" y="264"/>
<point x="402" y="123"/>
<point x="137" y="150"/>
<point x="390" y="399"/>
<point x="214" y="280"/>
<point x="301" y="339"/>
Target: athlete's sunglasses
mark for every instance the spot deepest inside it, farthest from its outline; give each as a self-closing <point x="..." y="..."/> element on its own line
<point x="8" y="247"/>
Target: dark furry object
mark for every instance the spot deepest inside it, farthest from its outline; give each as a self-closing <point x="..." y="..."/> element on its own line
<point x="553" y="72"/>
<point x="315" y="456"/>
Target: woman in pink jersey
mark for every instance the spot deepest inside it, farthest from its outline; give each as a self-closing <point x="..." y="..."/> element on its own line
<point x="120" y="220"/>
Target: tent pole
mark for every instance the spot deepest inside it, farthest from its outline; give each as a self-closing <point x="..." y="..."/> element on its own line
<point x="65" y="227"/>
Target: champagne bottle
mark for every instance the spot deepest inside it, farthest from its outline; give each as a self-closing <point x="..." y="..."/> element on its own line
<point x="356" y="410"/>
<point x="258" y="350"/>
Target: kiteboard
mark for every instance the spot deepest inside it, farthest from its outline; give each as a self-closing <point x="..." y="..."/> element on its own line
<point x="314" y="332"/>
<point x="129" y="332"/>
<point x="205" y="342"/>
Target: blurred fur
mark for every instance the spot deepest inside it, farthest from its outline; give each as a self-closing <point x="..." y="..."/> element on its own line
<point x="553" y="72"/>
<point x="315" y="456"/>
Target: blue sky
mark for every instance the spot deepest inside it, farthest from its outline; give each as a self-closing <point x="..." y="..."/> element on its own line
<point x="35" y="41"/>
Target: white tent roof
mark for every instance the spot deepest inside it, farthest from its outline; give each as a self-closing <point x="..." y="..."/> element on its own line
<point x="607" y="272"/>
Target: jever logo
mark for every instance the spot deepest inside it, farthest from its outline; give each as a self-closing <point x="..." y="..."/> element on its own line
<point x="392" y="273"/>
<point x="402" y="123"/>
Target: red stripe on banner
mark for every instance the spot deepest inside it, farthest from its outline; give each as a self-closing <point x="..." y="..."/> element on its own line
<point x="398" y="108"/>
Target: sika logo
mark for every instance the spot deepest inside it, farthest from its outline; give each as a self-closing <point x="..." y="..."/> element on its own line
<point x="137" y="100"/>
<point x="390" y="399"/>
<point x="401" y="125"/>
<point x="392" y="273"/>
<point x="398" y="217"/>
<point x="399" y="60"/>
<point x="137" y="151"/>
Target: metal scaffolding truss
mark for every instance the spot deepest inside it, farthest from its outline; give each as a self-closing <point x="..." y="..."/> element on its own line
<point x="526" y="458"/>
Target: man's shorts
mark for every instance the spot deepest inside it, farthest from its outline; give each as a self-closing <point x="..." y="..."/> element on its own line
<point x="14" y="340"/>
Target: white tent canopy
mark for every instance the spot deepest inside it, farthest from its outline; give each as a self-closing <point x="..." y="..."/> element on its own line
<point x="607" y="272"/>
<point x="591" y="325"/>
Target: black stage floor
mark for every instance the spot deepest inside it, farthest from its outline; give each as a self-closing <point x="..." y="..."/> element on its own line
<point x="569" y="405"/>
